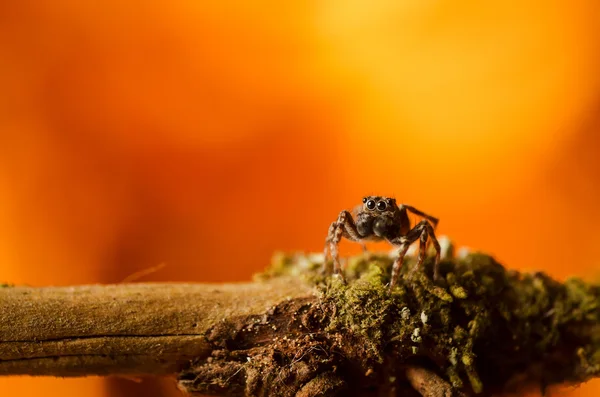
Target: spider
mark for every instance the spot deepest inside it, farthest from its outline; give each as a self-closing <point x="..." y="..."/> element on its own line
<point x="380" y="218"/>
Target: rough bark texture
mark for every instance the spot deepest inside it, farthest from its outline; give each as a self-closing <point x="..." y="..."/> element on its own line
<point x="294" y="332"/>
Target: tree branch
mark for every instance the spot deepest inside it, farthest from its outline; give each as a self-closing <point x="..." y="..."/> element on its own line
<point x="293" y="332"/>
<point x="127" y="329"/>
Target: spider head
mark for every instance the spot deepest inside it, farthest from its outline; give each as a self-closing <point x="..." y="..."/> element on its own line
<point x="377" y="216"/>
<point x="379" y="204"/>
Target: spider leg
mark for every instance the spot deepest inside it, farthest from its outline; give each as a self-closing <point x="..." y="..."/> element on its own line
<point x="423" y="231"/>
<point x="330" y="234"/>
<point x="422" y="247"/>
<point x="434" y="221"/>
<point x="343" y="227"/>
<point x="427" y="235"/>
<point x="404" y="242"/>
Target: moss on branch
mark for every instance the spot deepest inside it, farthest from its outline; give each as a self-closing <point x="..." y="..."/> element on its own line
<point x="485" y="330"/>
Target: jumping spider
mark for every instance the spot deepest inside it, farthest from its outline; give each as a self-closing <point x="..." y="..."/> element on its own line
<point x="380" y="218"/>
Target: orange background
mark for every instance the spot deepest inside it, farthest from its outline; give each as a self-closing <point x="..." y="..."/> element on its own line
<point x="206" y="135"/>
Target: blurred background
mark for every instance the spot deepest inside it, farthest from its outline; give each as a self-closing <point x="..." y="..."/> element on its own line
<point x="206" y="135"/>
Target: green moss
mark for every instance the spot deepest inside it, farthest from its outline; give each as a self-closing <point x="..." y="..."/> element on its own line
<point x="363" y="307"/>
<point x="484" y="327"/>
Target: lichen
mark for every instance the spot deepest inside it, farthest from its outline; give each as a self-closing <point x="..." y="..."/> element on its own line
<point x="483" y="329"/>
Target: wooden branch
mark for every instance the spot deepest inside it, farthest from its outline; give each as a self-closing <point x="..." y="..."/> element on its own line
<point x="294" y="332"/>
<point x="127" y="329"/>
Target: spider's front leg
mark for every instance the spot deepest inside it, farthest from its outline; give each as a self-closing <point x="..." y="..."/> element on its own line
<point x="343" y="227"/>
<point x="422" y="231"/>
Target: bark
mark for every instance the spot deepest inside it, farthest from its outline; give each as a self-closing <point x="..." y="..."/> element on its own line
<point x="126" y="329"/>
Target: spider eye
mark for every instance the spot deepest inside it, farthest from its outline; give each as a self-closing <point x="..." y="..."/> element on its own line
<point x="371" y="204"/>
<point x="381" y="206"/>
<point x="364" y="199"/>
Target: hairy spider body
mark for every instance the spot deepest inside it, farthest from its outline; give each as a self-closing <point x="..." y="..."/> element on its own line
<point x="380" y="218"/>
